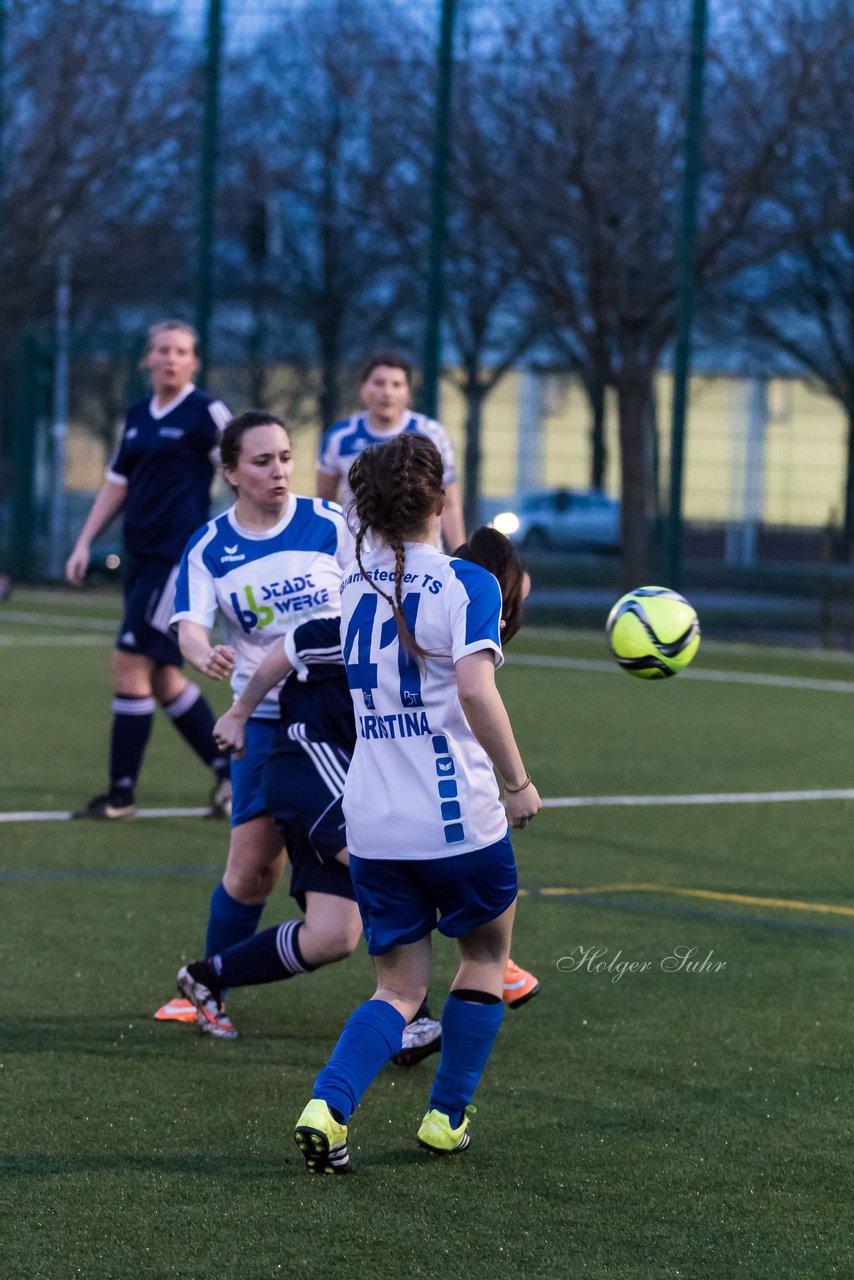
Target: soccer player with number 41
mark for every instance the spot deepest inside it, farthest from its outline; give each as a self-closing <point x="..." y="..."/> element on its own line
<point x="427" y="831"/>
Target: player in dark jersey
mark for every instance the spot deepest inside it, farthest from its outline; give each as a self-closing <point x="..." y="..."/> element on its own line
<point x="160" y="476"/>
<point x="303" y="786"/>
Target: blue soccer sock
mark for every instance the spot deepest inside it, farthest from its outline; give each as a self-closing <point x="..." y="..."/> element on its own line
<point x="268" y="957"/>
<point x="230" y="921"/>
<point x="193" y="717"/>
<point x="371" y="1034"/>
<point x="132" y="721"/>
<point x="468" y="1033"/>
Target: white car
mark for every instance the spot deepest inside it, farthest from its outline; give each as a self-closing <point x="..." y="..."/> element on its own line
<point x="563" y="518"/>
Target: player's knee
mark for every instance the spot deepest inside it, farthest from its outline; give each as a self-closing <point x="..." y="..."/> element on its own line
<point x="131" y="675"/>
<point x="167" y="684"/>
<point x="248" y="884"/>
<point x="340" y="942"/>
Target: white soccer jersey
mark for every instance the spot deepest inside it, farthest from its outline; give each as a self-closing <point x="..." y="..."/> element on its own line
<point x="264" y="584"/>
<point x="344" y="441"/>
<point x="420" y="785"/>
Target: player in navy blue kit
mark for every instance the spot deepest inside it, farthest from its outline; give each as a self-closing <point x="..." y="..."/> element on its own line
<point x="427" y="832"/>
<point x="160" y="476"/>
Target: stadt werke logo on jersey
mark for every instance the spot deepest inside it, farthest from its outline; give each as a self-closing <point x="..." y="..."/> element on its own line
<point x="277" y="601"/>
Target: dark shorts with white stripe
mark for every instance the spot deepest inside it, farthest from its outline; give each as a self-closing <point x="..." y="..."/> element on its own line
<point x="149" y="590"/>
<point x="303" y="784"/>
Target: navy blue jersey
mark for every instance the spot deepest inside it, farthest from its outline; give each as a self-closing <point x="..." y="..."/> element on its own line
<point x="166" y="458"/>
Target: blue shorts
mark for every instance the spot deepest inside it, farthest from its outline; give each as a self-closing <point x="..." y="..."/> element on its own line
<point x="149" y="592"/>
<point x="247" y="773"/>
<point x="399" y="899"/>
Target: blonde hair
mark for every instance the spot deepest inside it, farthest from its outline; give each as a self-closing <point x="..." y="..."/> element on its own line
<point x="171" y="326"/>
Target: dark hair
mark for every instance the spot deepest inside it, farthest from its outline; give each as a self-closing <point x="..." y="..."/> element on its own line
<point x="489" y="548"/>
<point x="229" y="443"/>
<point x="389" y="358"/>
<point x="396" y="488"/>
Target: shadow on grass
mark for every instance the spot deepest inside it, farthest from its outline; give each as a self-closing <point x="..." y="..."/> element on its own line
<point x="140" y="1036"/>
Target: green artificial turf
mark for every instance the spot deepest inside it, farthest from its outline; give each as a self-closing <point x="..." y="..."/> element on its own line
<point x="658" y="1124"/>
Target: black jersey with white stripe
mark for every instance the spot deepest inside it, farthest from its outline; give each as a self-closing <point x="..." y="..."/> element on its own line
<point x="166" y="458"/>
<point x="317" y="696"/>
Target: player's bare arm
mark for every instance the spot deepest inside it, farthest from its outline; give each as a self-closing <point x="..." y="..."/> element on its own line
<point x="109" y="501"/>
<point x="490" y="724"/>
<point x="213" y="660"/>
<point x="230" y="728"/>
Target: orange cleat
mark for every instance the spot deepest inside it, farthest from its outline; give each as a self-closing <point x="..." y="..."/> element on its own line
<point x="176" y="1011"/>
<point x="519" y="985"/>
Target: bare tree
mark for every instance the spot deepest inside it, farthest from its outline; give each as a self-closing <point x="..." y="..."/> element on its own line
<point x="327" y="143"/>
<point x="492" y="314"/>
<point x="604" y="151"/>
<point x="97" y="138"/>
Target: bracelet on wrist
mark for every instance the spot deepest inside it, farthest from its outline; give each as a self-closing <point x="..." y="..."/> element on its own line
<point x="512" y="791"/>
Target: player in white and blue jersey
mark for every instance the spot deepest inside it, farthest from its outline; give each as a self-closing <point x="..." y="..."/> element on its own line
<point x="426" y="827"/>
<point x="303" y="786"/>
<point x="384" y="387"/>
<point x="160" y="477"/>
<point x="268" y="568"/>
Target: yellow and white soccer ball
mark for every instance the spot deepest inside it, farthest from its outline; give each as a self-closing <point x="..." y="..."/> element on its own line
<point x="653" y="632"/>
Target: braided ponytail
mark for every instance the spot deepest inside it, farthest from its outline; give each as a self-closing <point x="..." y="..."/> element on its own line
<point x="396" y="488"/>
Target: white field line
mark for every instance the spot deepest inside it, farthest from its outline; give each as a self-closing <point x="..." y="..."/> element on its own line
<point x="80" y="621"/>
<point x="53" y="642"/>
<point x="721" y="677"/>
<point x="720" y="797"/>
<point x="63" y="815"/>
<point x="814" y="654"/>
<point x="559" y="802"/>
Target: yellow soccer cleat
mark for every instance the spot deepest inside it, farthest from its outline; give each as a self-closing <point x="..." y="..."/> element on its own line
<point x="322" y="1140"/>
<point x="436" y="1134"/>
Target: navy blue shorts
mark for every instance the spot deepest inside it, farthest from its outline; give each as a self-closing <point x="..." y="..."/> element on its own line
<point x="149" y="592"/>
<point x="399" y="899"/>
<point x="312" y="874"/>
<point x="247" y="773"/>
<point x="303" y="785"/>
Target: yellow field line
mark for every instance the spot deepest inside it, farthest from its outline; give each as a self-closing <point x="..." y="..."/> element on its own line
<point x="746" y="899"/>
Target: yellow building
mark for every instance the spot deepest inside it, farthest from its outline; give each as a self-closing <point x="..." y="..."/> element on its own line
<point x="774" y="452"/>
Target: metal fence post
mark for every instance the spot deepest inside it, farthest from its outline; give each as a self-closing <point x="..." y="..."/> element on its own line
<point x="23" y="461"/>
<point x="438" y="215"/>
<point x="207" y="182"/>
<point x="685" y="268"/>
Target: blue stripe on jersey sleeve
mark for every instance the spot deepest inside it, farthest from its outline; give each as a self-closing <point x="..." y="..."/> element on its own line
<point x="483" y="615"/>
<point x="182" y="583"/>
<point x="328" y="436"/>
